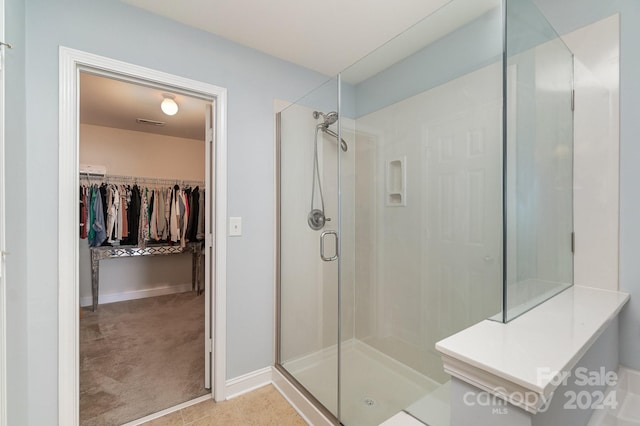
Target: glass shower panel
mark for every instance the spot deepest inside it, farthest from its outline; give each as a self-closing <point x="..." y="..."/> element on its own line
<point x="421" y="208"/>
<point x="539" y="160"/>
<point x="308" y="207"/>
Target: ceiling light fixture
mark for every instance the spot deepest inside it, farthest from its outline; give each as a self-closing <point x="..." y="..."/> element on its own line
<point x="168" y="105"/>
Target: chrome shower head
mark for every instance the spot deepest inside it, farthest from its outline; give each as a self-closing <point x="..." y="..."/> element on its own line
<point x="329" y="118"/>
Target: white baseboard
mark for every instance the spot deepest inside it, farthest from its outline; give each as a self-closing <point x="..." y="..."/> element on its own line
<point x="269" y="375"/>
<point x="137" y="294"/>
<point x="248" y="382"/>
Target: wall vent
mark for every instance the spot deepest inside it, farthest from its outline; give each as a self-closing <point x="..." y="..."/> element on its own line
<point x="149" y="122"/>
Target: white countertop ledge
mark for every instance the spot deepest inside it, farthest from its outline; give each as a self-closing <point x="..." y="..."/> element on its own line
<point x="520" y="361"/>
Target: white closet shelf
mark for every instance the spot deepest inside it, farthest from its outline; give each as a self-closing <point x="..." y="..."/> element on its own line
<point x="525" y="356"/>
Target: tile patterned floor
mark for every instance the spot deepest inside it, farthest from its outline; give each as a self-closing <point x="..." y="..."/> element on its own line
<point x="262" y="407"/>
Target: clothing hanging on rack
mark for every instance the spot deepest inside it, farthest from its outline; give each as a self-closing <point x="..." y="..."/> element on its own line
<point x="97" y="234"/>
<point x="194" y="204"/>
<point x="117" y="212"/>
<point x="200" y="226"/>
<point x="84" y="203"/>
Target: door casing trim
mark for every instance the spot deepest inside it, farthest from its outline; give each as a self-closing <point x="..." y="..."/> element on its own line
<point x="70" y="63"/>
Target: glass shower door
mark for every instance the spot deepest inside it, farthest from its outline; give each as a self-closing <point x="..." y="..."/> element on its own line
<point x="307" y="244"/>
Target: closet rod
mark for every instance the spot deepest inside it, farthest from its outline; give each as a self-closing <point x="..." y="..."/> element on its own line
<point x="139" y="179"/>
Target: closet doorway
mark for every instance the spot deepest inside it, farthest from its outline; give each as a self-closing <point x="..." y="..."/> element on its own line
<point x="142" y="161"/>
<point x="150" y="335"/>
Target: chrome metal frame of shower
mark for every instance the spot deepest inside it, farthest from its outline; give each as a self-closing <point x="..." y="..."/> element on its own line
<point x="339" y="246"/>
<point x="504" y="306"/>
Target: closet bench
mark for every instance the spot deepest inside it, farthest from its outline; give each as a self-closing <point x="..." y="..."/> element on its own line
<point x="118" y="252"/>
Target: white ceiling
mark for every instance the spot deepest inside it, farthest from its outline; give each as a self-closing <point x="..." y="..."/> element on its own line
<point x="323" y="35"/>
<point x="326" y="36"/>
<point x="114" y="103"/>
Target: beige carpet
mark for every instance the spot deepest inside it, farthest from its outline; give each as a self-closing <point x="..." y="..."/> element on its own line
<point x="139" y="357"/>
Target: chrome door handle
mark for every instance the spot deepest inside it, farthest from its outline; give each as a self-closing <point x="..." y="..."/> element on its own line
<point x="322" y="236"/>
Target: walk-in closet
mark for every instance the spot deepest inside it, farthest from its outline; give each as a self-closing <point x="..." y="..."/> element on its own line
<point x="142" y="200"/>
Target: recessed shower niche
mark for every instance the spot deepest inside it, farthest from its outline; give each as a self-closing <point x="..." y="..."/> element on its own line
<point x="451" y="204"/>
<point x="396" y="176"/>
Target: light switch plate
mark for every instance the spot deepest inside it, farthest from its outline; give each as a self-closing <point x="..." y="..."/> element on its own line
<point x="235" y="226"/>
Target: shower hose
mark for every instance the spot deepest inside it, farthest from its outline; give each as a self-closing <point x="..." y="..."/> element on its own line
<point x="316" y="217"/>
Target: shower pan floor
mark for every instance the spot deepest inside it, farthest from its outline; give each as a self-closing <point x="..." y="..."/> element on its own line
<point x="375" y="387"/>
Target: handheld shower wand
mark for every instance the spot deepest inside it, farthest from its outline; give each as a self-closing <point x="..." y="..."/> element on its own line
<point x="316" y="217"/>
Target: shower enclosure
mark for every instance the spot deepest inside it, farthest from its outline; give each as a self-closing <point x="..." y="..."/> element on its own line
<point x="423" y="189"/>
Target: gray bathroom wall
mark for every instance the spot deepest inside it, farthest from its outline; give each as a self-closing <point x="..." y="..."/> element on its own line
<point x="566" y="16"/>
<point x="113" y="29"/>
<point x="16" y="197"/>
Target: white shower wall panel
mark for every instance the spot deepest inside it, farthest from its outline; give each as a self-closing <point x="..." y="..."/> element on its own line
<point x="349" y="218"/>
<point x="597" y="147"/>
